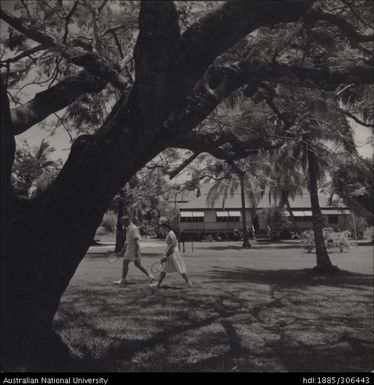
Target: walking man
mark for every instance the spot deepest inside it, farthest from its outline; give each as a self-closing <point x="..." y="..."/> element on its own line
<point x="131" y="251"/>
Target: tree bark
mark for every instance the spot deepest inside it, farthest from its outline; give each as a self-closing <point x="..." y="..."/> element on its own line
<point x="323" y="260"/>
<point x="43" y="242"/>
<point x="246" y="243"/>
<point x="54" y="99"/>
<point x="120" y="231"/>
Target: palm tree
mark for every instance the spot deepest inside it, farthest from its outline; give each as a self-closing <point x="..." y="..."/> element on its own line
<point x="284" y="179"/>
<point x="31" y="167"/>
<point x="318" y="132"/>
<point x="322" y="145"/>
<point x="229" y="178"/>
<point x="42" y="155"/>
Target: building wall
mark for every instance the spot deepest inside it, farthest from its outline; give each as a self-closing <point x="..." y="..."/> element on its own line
<point x="210" y="224"/>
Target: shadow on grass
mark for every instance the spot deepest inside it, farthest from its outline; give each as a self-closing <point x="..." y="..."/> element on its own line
<point x="98" y="255"/>
<point x="369" y="243"/>
<point x="292" y="278"/>
<point x="223" y="248"/>
<point x="256" y="246"/>
<point x="266" y="244"/>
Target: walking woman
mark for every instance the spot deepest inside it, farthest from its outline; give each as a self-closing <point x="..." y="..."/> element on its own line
<point x="173" y="261"/>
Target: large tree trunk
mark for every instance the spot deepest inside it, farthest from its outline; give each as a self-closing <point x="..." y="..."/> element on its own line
<point x="246" y="243"/>
<point x="43" y="242"/>
<point x="120" y="232"/>
<point x="45" y="238"/>
<point x="323" y="259"/>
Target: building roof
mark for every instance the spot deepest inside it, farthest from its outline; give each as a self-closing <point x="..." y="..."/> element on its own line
<point x="180" y="197"/>
<point x="234" y="202"/>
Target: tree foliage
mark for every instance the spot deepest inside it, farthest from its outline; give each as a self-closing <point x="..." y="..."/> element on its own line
<point x="33" y="168"/>
<point x="352" y="180"/>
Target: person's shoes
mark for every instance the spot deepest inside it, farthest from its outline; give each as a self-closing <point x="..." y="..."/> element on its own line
<point x="151" y="277"/>
<point x="154" y="285"/>
<point x="189" y="284"/>
<point x="120" y="282"/>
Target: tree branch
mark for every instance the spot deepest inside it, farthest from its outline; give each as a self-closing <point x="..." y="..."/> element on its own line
<point x="226" y="145"/>
<point x="215" y="33"/>
<point x="183" y="165"/>
<point x="220" y="81"/>
<point x="97" y="44"/>
<point x="8" y="145"/>
<point x="67" y="20"/>
<point x="348" y="28"/>
<point x="130" y="20"/>
<point x="356" y="119"/>
<point x="25" y="53"/>
<point x="93" y="63"/>
<point x="154" y="50"/>
<point x="53" y="99"/>
<point x="118" y="44"/>
<point x="327" y="78"/>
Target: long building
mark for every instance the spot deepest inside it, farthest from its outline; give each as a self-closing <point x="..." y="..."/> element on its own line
<point x="198" y="219"/>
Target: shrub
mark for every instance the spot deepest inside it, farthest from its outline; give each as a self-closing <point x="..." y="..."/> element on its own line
<point x="361" y="225"/>
<point x="369" y="233"/>
<point x="276" y="221"/>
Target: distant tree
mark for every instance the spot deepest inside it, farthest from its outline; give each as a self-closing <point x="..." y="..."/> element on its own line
<point x="284" y="178"/>
<point x="33" y="168"/>
<point x="276" y="221"/>
<point x="352" y="180"/>
<point x="229" y="178"/>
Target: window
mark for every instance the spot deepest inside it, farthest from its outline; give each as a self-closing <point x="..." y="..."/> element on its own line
<point x="333" y="219"/>
<point x="228" y="216"/>
<point x="198" y="216"/>
<point x="197" y="219"/>
<point x="234" y="216"/>
<point x="303" y="219"/>
<point x="192" y="216"/>
<point x="222" y="216"/>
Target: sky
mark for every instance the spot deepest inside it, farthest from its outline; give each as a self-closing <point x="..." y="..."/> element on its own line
<point x="363" y="136"/>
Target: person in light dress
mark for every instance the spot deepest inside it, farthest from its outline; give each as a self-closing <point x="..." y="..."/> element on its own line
<point x="173" y="261"/>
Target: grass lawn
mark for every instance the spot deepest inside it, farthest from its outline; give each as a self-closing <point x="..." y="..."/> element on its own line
<point x="257" y="310"/>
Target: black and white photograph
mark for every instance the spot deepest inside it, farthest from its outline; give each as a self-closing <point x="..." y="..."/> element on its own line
<point x="187" y="187"/>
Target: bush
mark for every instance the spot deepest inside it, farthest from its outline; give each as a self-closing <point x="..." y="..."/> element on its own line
<point x="276" y="221"/>
<point x="361" y="226"/>
<point x="369" y="233"/>
<point x="147" y="229"/>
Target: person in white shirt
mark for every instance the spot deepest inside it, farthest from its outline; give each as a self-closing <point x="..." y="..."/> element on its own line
<point x="131" y="251"/>
<point x="173" y="261"/>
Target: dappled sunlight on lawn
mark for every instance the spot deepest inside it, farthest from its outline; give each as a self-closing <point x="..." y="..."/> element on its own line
<point x="239" y="315"/>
